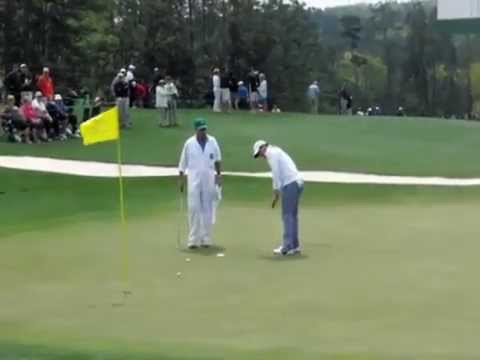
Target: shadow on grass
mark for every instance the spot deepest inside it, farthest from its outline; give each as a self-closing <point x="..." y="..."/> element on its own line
<point x="210" y="251"/>
<point x="278" y="258"/>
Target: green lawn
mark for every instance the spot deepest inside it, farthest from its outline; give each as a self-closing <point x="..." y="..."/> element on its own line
<point x="388" y="273"/>
<point x="403" y="146"/>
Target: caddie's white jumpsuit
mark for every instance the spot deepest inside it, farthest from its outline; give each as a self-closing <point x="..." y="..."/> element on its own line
<point x="199" y="165"/>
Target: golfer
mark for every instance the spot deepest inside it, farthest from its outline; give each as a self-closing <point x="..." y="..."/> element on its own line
<point x="201" y="163"/>
<point x="288" y="182"/>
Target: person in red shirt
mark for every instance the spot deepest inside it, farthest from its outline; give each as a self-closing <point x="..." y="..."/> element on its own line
<point x="45" y="84"/>
<point x="37" y="128"/>
<point x="140" y="91"/>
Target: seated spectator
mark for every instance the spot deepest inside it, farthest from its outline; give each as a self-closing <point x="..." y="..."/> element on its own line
<point x="36" y="125"/>
<point x="243" y="95"/>
<point x="13" y="122"/>
<point x="45" y="84"/>
<point x="39" y="104"/>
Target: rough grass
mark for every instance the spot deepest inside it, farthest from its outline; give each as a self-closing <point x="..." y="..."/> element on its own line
<point x="403" y="146"/>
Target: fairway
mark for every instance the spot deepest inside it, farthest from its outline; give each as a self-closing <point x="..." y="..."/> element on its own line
<point x="387" y="273"/>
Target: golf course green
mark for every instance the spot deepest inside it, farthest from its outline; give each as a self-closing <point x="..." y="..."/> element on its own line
<point x="387" y="272"/>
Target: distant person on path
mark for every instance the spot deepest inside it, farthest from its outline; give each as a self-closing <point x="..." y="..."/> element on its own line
<point x="217" y="91"/>
<point x="313" y="94"/>
<point x="233" y="85"/>
<point x="172" y="96"/>
<point x="45" y="84"/>
<point x="242" y="95"/>
<point x="263" y="93"/>
<point x="226" y="102"/>
<point x="201" y="163"/>
<point x="287" y="183"/>
<point x="121" y="90"/>
<point x="161" y="102"/>
<point x="253" y="84"/>
<point x="131" y="82"/>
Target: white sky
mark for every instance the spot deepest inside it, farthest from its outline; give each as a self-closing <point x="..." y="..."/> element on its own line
<point x="332" y="3"/>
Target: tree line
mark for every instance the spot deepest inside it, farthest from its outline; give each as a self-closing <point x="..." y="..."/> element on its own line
<point x="389" y="54"/>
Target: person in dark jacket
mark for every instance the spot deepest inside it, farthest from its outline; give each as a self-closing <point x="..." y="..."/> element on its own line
<point x="121" y="89"/>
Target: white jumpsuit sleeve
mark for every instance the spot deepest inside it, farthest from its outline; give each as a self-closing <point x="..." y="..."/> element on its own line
<point x="183" y="165"/>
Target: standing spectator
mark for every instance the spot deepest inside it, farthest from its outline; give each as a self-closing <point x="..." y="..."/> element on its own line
<point x="131" y="82"/>
<point x="263" y="92"/>
<point x="26" y="81"/>
<point x="242" y="95"/>
<point x="217" y="91"/>
<point x="233" y="84"/>
<point x="345" y="101"/>
<point x="13" y="123"/>
<point x="157" y="76"/>
<point x="226" y="100"/>
<point x="161" y="102"/>
<point x="97" y="106"/>
<point x="45" y="84"/>
<point x="253" y="84"/>
<point x="172" y="95"/>
<point x="121" y="89"/>
<point x="313" y="94"/>
<point x="13" y="84"/>
<point x="37" y="127"/>
<point x="116" y="79"/>
<point x="140" y="93"/>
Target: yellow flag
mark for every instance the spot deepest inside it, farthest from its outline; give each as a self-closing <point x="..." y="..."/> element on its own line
<point x="103" y="127"/>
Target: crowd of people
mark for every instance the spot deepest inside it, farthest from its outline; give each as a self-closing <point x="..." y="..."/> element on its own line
<point x="230" y="94"/>
<point x="34" y="112"/>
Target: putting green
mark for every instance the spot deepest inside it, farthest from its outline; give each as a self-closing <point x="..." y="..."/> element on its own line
<point x="387" y="273"/>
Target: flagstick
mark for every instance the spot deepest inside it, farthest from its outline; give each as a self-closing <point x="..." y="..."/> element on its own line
<point x="123" y="218"/>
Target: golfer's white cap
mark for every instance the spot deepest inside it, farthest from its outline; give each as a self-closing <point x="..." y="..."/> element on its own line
<point x="123" y="70"/>
<point x="257" y="146"/>
<point x="46" y="69"/>
<point x="131" y="67"/>
<point x="23" y="66"/>
<point x="57" y="97"/>
<point x="240" y="83"/>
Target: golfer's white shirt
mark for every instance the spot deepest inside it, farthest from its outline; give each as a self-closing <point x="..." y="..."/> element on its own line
<point x="130" y="76"/>
<point x="284" y="170"/>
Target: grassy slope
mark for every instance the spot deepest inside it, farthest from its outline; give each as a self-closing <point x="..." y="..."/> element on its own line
<point x="379" y="145"/>
<point x="389" y="273"/>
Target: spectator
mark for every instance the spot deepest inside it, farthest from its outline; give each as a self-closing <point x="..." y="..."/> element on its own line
<point x="39" y="105"/>
<point x="13" y="122"/>
<point x="172" y="95"/>
<point x="226" y="100"/>
<point x="121" y="90"/>
<point x="116" y="79"/>
<point x="140" y="90"/>
<point x="13" y="84"/>
<point x="59" y="119"/>
<point x="26" y="81"/>
<point x="242" y="95"/>
<point x="401" y="111"/>
<point x="161" y="102"/>
<point x="253" y="84"/>
<point x="36" y="125"/>
<point x="68" y="119"/>
<point x="233" y="85"/>
<point x="263" y="92"/>
<point x="345" y="101"/>
<point x="132" y="83"/>
<point x="313" y="94"/>
<point x="157" y="76"/>
<point x="217" y="91"/>
<point x="45" y="84"/>
<point x="97" y="106"/>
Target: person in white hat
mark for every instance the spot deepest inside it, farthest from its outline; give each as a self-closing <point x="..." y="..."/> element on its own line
<point x="287" y="182"/>
<point x="201" y="164"/>
<point x="217" y="91"/>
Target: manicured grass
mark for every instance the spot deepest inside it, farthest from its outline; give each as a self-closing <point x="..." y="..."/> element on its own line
<point x="404" y="146"/>
<point x="388" y="273"/>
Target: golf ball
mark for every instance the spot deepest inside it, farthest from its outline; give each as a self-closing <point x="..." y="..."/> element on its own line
<point x="179" y="274"/>
<point x="220" y="255"/>
<point x="188" y="260"/>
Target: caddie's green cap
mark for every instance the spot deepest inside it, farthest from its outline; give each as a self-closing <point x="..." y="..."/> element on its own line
<point x="200" y="124"/>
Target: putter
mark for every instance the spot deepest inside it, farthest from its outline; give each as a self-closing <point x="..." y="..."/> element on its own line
<point x="181" y="210"/>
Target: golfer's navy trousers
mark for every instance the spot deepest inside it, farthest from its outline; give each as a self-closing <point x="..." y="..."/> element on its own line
<point x="291" y="194"/>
